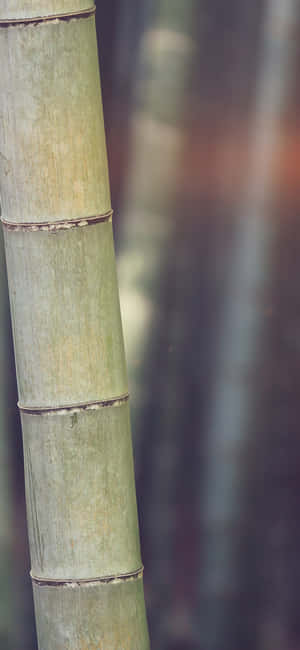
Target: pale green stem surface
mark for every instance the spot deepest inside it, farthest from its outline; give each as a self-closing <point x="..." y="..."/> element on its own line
<point x="71" y="371"/>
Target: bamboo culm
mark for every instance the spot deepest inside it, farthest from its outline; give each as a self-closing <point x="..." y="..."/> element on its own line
<point x="71" y="371"/>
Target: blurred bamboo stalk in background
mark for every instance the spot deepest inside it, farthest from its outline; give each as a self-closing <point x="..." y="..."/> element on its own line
<point x="72" y="382"/>
<point x="164" y="67"/>
<point x="165" y="59"/>
<point x="222" y="499"/>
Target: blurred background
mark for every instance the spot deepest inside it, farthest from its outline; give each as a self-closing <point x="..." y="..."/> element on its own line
<point x="201" y="103"/>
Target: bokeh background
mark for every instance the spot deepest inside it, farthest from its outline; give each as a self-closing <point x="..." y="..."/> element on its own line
<point x="201" y="103"/>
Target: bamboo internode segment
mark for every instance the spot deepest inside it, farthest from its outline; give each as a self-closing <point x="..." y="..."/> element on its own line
<point x="116" y="609"/>
<point x="17" y="10"/>
<point x="66" y="316"/>
<point x="71" y="370"/>
<point x="95" y="532"/>
<point x="53" y="163"/>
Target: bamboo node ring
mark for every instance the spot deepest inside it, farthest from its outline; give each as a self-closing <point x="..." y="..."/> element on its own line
<point x="72" y="582"/>
<point x="74" y="408"/>
<point x="83" y="13"/>
<point x="58" y="225"/>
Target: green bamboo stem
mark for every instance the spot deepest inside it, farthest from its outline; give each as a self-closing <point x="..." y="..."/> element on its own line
<point x="81" y="505"/>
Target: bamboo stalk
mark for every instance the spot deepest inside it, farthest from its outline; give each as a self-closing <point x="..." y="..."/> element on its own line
<point x="81" y="504"/>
